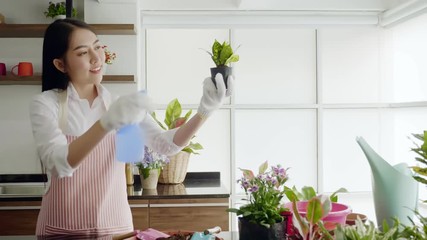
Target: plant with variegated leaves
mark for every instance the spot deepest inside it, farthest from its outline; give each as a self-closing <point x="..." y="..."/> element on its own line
<point x="173" y="119"/>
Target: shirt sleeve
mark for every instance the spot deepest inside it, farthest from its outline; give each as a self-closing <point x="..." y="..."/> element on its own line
<point x="51" y="143"/>
<point x="158" y="139"/>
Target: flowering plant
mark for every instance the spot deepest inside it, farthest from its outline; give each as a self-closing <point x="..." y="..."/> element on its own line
<point x="265" y="192"/>
<point x="151" y="160"/>
<point x="109" y="56"/>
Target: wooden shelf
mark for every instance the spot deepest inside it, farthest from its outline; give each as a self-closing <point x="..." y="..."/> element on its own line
<point x="37" y="30"/>
<point x="37" y="79"/>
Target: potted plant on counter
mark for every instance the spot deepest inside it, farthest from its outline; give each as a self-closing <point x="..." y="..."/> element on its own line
<point x="58" y="10"/>
<point x="261" y="217"/>
<point x="176" y="170"/>
<point x="150" y="167"/>
<point x="222" y="55"/>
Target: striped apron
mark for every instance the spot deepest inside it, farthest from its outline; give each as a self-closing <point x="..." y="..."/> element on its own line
<point x="91" y="202"/>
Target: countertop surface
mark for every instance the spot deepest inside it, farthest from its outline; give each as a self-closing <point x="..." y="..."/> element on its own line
<point x="195" y="185"/>
<point x="223" y="235"/>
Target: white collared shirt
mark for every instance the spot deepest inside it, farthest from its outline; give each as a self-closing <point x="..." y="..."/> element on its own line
<point x="51" y="142"/>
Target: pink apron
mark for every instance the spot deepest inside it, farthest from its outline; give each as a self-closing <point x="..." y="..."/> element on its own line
<point x="91" y="202"/>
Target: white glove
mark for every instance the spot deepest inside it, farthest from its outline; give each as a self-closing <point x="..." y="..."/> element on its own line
<point x="129" y="109"/>
<point x="213" y="97"/>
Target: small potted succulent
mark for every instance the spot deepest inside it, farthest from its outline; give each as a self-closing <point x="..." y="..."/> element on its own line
<point x="58" y="10"/>
<point x="222" y="55"/>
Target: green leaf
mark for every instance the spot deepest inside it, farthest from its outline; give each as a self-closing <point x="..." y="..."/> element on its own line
<point x="308" y="192"/>
<point x="334" y="196"/>
<point x="248" y="174"/>
<point x="173" y="111"/>
<point x="232" y="58"/>
<point x="419" y="170"/>
<point x="290" y="194"/>
<point x="314" y="210"/>
<point x="153" y="114"/>
<point x="263" y="167"/>
<point x="226" y="53"/>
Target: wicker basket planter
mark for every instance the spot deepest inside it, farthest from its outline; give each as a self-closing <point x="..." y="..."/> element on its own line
<point x="176" y="170"/>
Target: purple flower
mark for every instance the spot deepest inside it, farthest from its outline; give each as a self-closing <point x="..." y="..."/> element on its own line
<point x="153" y="159"/>
<point x="279" y="171"/>
<point x="253" y="189"/>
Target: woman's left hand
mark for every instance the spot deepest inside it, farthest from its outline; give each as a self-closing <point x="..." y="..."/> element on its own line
<point x="213" y="97"/>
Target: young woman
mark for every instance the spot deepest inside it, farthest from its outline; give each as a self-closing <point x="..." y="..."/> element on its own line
<point x="74" y="121"/>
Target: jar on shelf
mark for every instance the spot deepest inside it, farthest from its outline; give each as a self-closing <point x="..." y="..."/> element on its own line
<point x="129" y="174"/>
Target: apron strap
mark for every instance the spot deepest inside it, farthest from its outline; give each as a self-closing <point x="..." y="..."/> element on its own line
<point x="63" y="110"/>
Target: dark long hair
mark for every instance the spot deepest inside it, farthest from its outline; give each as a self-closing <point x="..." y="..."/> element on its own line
<point x="55" y="45"/>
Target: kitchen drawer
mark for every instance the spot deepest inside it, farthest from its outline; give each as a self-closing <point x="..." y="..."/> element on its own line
<point x="189" y="214"/>
<point x="139" y="209"/>
<point x="19" y="218"/>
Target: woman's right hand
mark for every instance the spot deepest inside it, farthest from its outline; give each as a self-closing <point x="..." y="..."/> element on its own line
<point x="128" y="109"/>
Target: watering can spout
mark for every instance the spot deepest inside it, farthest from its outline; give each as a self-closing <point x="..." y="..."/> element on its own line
<point x="395" y="191"/>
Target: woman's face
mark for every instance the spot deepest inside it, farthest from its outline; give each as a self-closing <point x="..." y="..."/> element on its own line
<point x="84" y="58"/>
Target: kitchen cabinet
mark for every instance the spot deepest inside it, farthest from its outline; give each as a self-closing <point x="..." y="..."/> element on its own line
<point x="139" y="209"/>
<point x="19" y="217"/>
<point x="194" y="214"/>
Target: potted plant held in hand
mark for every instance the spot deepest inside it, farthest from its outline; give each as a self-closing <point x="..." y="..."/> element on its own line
<point x="58" y="11"/>
<point x="262" y="217"/>
<point x="176" y="170"/>
<point x="222" y="55"/>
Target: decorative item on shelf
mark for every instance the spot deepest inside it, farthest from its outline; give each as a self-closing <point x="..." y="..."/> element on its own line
<point x="109" y="56"/>
<point x="262" y="217"/>
<point x="1" y="19"/>
<point x="222" y="55"/>
<point x="176" y="170"/>
<point x="149" y="168"/>
<point x="58" y="10"/>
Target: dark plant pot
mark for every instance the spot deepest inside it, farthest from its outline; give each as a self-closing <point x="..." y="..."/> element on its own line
<point x="224" y="70"/>
<point x="253" y="231"/>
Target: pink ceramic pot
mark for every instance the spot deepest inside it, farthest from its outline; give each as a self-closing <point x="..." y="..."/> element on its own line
<point x="338" y="213"/>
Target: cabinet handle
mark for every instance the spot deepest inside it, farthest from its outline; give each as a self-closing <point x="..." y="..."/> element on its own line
<point x="138" y="205"/>
<point x="190" y="205"/>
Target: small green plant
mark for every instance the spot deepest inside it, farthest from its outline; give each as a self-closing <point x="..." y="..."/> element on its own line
<point x="173" y="120"/>
<point x="55" y="9"/>
<point x="222" y="54"/>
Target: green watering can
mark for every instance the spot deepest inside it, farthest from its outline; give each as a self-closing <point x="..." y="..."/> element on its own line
<point x="395" y="191"/>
